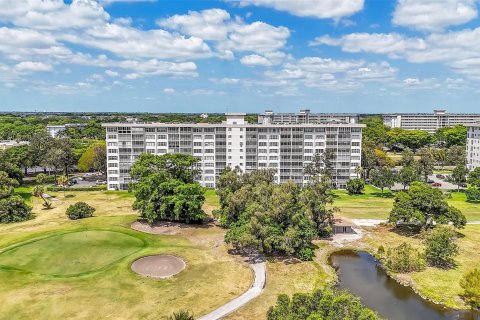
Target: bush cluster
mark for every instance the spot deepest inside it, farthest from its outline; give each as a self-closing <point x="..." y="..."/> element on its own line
<point x="403" y="258"/>
<point x="80" y="210"/>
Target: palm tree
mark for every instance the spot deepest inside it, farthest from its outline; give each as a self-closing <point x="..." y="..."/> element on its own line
<point x="181" y="315"/>
<point x="63" y="181"/>
<point x="38" y="192"/>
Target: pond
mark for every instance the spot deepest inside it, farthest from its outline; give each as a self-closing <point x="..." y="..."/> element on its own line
<point x="360" y="273"/>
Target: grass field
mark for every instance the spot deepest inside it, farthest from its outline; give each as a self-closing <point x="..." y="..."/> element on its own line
<point x="441" y="285"/>
<point x="53" y="268"/>
<point x="372" y="205"/>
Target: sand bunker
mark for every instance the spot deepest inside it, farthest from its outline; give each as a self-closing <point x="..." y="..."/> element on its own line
<point x="158" y="266"/>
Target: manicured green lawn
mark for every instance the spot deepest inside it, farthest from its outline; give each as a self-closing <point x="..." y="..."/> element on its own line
<point x="72" y="253"/>
<point x="54" y="268"/>
<point x="471" y="210"/>
<point x="369" y="205"/>
<point x="372" y="205"/>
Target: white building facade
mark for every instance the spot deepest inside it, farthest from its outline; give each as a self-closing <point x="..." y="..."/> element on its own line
<point x="473" y="146"/>
<point x="429" y="122"/>
<point x="285" y="148"/>
<point x="54" y="130"/>
<point x="305" y="116"/>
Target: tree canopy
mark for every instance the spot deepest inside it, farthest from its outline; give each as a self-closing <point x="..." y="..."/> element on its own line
<point x="165" y="188"/>
<point x="12" y="206"/>
<point x="321" y="304"/>
<point x="425" y="206"/>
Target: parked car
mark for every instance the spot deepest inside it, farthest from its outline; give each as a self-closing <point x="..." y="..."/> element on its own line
<point x="440" y="176"/>
<point x="430" y="181"/>
<point x="463" y="185"/>
<point x="100" y="182"/>
<point x="436" y="184"/>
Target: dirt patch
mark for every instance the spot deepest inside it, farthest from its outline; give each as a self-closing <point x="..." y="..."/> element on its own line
<point x="158" y="266"/>
<point x="158" y="228"/>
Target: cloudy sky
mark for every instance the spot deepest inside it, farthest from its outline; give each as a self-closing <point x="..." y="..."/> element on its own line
<point x="240" y="55"/>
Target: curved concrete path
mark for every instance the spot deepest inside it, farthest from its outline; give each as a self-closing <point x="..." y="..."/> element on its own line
<point x="259" y="273"/>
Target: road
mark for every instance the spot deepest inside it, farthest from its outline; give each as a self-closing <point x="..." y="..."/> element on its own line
<point x="259" y="273"/>
<point x="445" y="185"/>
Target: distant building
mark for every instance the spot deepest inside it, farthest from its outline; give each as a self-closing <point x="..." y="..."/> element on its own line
<point x="305" y="116"/>
<point x="204" y="116"/>
<point x="473" y="146"/>
<point x="5" y="144"/>
<point x="429" y="122"/>
<point x="285" y="147"/>
<point x="54" y="130"/>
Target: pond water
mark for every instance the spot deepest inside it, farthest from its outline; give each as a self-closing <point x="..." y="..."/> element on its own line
<point x="360" y="273"/>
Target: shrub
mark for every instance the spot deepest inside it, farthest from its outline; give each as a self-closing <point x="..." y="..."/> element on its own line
<point x="404" y="258"/>
<point x="473" y="194"/>
<point x="80" y="210"/>
<point x="441" y="247"/>
<point x="355" y="186"/>
<point x="181" y="315"/>
<point x="470" y="283"/>
<point x="305" y="254"/>
<point x="14" y="209"/>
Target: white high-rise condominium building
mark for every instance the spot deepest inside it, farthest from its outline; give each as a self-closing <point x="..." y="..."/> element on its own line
<point x="473" y="146"/>
<point x="305" y="116"/>
<point x="285" y="147"/>
<point x="430" y="122"/>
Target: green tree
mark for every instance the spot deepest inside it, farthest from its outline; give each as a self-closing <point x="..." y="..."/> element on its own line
<point x="456" y="155"/>
<point x="94" y="158"/>
<point x="407" y="175"/>
<point x="413" y="139"/>
<point x="376" y="131"/>
<point x="355" y="186"/>
<point x="79" y="210"/>
<point x="7" y="185"/>
<point x="320" y="304"/>
<point x="321" y="165"/>
<point x="451" y="136"/>
<point x="470" y="284"/>
<point x="440" y="156"/>
<point x="441" y="247"/>
<point x="41" y="178"/>
<point x="404" y="258"/>
<point x="14" y="209"/>
<point x="408" y="158"/>
<point x="39" y="191"/>
<point x="426" y="162"/>
<point x="424" y="206"/>
<point x="317" y="198"/>
<point x="165" y="188"/>
<point x="63" y="181"/>
<point x="473" y="194"/>
<point x="274" y="220"/>
<point x="459" y="175"/>
<point x="474" y="177"/>
<point x="383" y="178"/>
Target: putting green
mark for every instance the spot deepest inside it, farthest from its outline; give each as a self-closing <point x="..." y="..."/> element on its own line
<point x="71" y="254"/>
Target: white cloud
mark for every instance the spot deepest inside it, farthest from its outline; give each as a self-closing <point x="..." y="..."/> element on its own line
<point x="433" y="15"/>
<point x="228" y="35"/>
<point x="255" y="60"/>
<point x="323" y="9"/>
<point x="52" y="14"/>
<point x="225" y="80"/>
<point x="416" y="83"/>
<point x="31" y="66"/>
<point x="169" y="90"/>
<point x="392" y="44"/>
<point x="126" y="41"/>
<point x="212" y="24"/>
<point x="111" y="73"/>
<point x="373" y="72"/>
<point x="257" y="37"/>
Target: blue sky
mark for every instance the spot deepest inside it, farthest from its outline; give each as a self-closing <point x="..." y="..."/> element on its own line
<point x="365" y="56"/>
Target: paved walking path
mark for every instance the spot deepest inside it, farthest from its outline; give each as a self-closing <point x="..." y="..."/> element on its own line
<point x="259" y="272"/>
